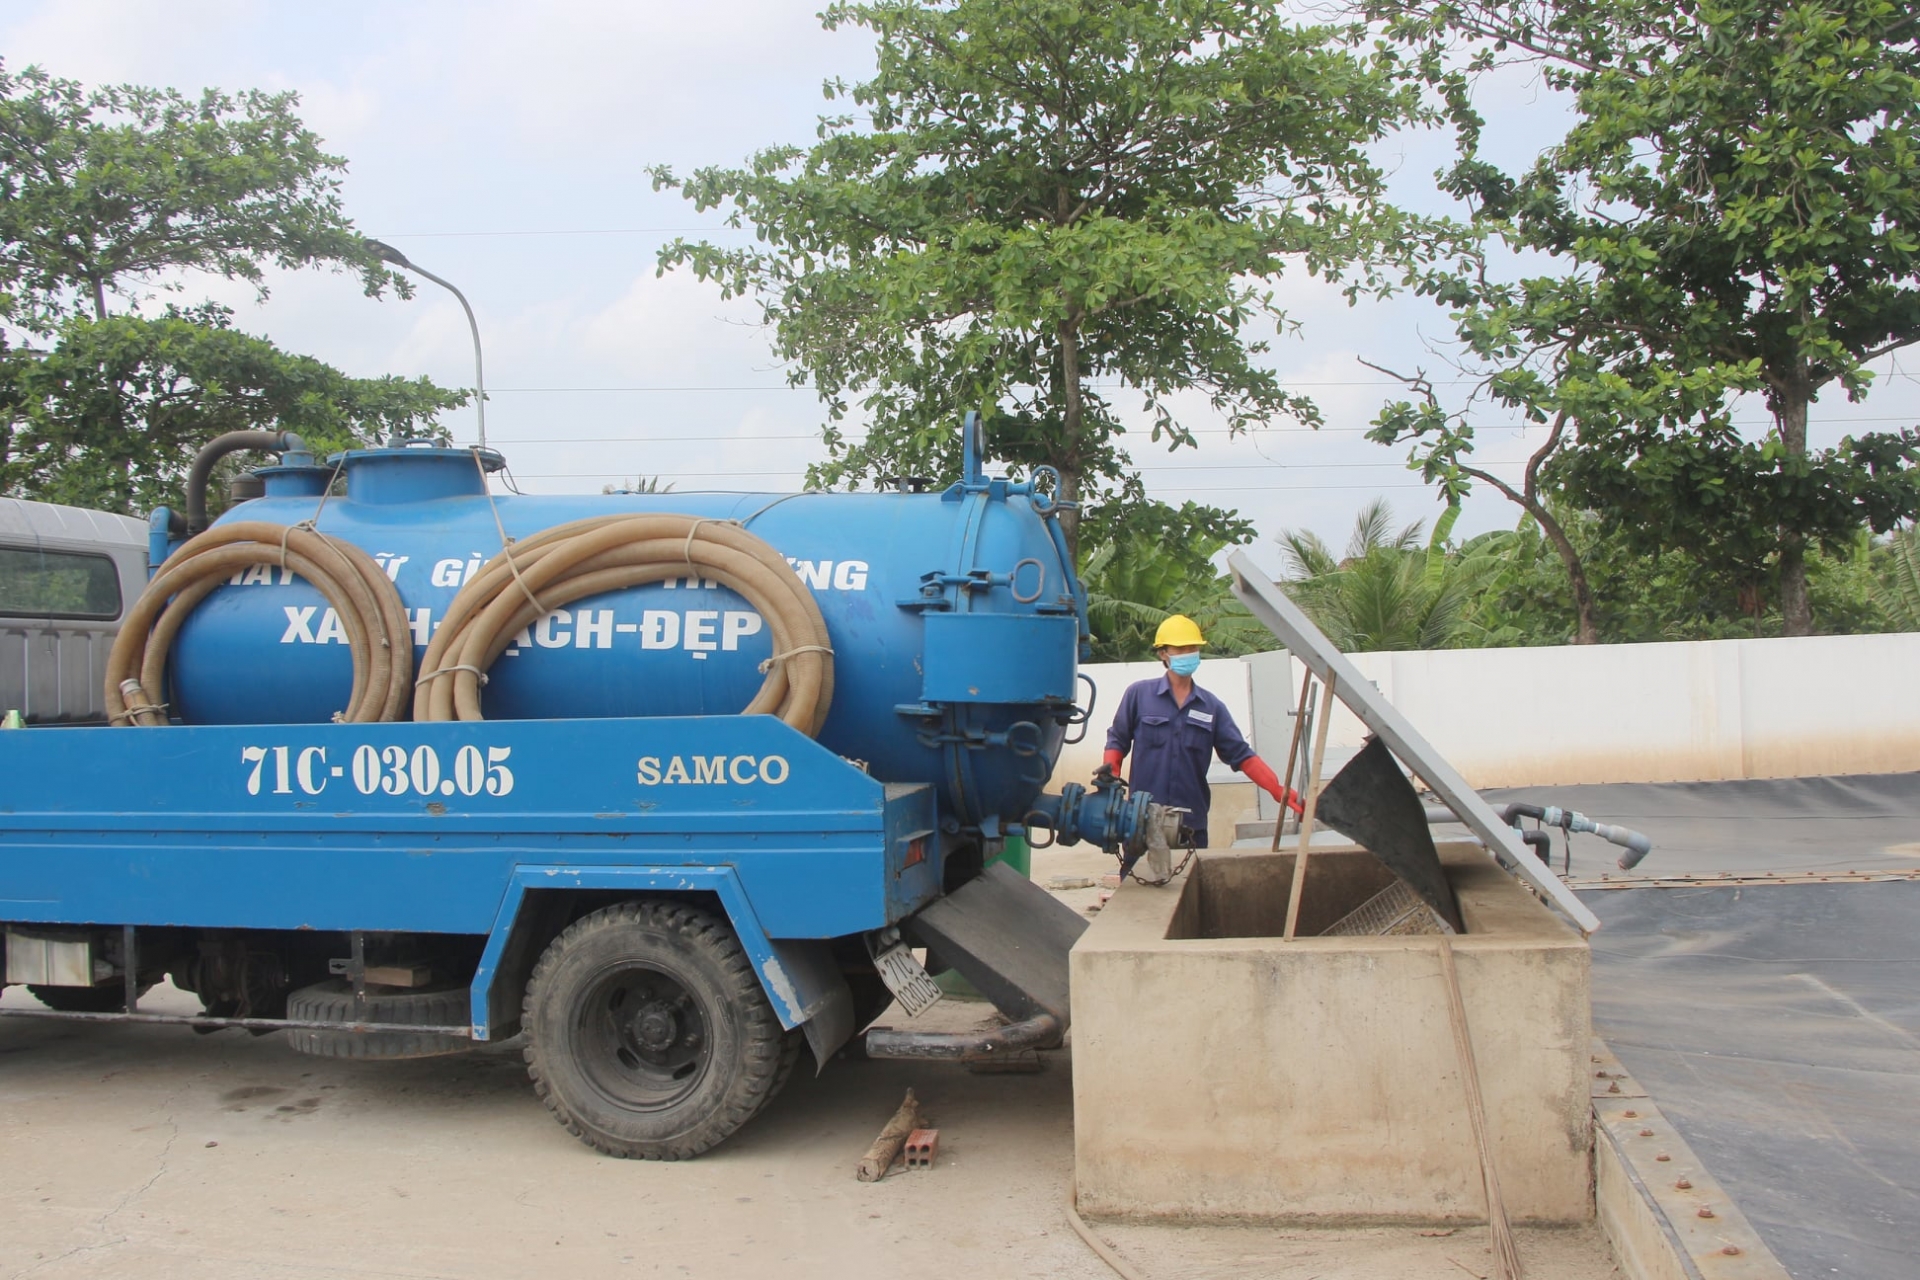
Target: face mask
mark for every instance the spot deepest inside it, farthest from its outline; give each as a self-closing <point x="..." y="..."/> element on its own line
<point x="1184" y="664"/>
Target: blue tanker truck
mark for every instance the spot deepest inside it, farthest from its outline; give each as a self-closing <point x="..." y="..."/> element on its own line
<point x="672" y="785"/>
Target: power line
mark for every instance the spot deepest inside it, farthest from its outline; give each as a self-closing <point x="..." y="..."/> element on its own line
<point x="577" y="231"/>
<point x="1249" y="433"/>
<point x="1098" y="386"/>
<point x="792" y="471"/>
<point x="1251" y="488"/>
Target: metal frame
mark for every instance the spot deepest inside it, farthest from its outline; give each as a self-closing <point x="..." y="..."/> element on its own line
<point x="1271" y="607"/>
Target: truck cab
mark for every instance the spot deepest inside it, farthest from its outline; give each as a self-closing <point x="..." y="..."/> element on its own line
<point x="67" y="577"/>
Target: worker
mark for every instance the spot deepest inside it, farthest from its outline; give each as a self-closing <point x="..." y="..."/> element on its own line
<point x="1173" y="727"/>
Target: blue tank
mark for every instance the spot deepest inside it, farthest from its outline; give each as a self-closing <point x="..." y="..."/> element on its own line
<point x="955" y="617"/>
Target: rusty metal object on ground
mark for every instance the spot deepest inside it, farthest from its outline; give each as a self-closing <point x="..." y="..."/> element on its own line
<point x="990" y="1045"/>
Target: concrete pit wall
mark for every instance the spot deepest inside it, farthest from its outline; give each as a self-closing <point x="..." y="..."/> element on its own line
<point x="1222" y="1073"/>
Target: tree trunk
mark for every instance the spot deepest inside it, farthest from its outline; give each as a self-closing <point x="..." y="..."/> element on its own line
<point x="1586" y="632"/>
<point x="1796" y="611"/>
<point x="1073" y="411"/>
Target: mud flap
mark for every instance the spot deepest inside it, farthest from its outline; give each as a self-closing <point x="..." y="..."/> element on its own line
<point x="825" y="1000"/>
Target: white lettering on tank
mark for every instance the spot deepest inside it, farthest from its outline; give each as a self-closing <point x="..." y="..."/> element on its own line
<point x="817" y="574"/>
<point x="421" y="621"/>
<point x="648" y="772"/>
<point x="391" y="563"/>
<point x="676" y="771"/>
<point x="330" y="630"/>
<point x="699" y="628"/>
<point x="708" y="770"/>
<point x="735" y="625"/>
<point x="446" y="573"/>
<point x="595" y="626"/>
<point x="546" y="637"/>
<point x="258" y="575"/>
<point x="298" y="621"/>
<point x="851" y="575"/>
<point x="659" y="629"/>
<point x="738" y="777"/>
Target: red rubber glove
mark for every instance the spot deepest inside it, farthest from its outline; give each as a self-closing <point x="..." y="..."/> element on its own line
<point x="1257" y="771"/>
<point x="1113" y="757"/>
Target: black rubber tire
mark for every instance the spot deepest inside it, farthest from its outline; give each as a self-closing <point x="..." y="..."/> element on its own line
<point x="790" y="1048"/>
<point x="332" y="1001"/>
<point x="112" y="999"/>
<point x="694" y="1056"/>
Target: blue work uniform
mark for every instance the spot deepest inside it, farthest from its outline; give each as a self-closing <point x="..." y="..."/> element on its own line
<point x="1172" y="745"/>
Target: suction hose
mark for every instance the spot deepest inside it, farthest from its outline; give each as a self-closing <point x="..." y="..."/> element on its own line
<point x="569" y="562"/>
<point x="367" y="604"/>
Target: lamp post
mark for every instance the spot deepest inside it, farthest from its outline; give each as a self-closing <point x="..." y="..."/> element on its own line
<point x="391" y="255"/>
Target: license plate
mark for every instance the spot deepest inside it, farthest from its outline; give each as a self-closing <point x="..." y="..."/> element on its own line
<point x="910" y="983"/>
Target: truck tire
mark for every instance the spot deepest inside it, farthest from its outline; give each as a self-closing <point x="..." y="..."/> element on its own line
<point x="332" y="1001"/>
<point x="648" y="1035"/>
<point x="110" y="999"/>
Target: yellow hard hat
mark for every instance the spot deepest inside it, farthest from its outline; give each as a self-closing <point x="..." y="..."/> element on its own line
<point x="1178" y="630"/>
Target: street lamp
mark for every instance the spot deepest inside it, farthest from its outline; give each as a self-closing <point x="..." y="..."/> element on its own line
<point x="389" y="254"/>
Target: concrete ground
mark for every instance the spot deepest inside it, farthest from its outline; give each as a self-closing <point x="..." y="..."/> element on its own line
<point x="150" y="1151"/>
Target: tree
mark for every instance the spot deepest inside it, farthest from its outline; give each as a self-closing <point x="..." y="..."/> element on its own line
<point x="1154" y="563"/>
<point x="113" y="414"/>
<point x="1898" y="591"/>
<point x="111" y="192"/>
<point x="1443" y="443"/>
<point x="1737" y="205"/>
<point x="115" y="188"/>
<point x="1388" y="592"/>
<point x="1045" y="201"/>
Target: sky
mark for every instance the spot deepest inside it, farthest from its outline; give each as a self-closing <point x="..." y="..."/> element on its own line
<point x="505" y="146"/>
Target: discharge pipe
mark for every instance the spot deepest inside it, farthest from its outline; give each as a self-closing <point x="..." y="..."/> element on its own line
<point x="1637" y="846"/>
<point x="218" y="448"/>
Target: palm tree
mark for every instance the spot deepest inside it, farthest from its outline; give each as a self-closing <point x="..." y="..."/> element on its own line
<point x="1898" y="593"/>
<point x="1387" y="592"/>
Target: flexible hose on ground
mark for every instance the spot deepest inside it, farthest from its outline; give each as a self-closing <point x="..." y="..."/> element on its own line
<point x="583" y="558"/>
<point x="367" y="604"/>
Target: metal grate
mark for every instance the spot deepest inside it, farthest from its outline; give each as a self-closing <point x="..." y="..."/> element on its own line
<point x="1395" y="911"/>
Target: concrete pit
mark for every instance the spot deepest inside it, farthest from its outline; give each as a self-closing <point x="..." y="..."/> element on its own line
<point x="1223" y="1074"/>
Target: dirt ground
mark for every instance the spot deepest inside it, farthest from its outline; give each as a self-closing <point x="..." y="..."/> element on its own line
<point x="150" y="1151"/>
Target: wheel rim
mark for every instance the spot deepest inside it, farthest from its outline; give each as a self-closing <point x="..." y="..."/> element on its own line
<point x="646" y="1038"/>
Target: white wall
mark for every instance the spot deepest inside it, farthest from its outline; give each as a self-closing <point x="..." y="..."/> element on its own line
<point x="1604" y="713"/>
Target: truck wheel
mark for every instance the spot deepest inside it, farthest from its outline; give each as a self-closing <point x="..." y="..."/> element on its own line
<point x="332" y="1001"/>
<point x="111" y="999"/>
<point x="648" y="1035"/>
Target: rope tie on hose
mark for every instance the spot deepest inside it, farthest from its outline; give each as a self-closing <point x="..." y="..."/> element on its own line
<point x="478" y="672"/>
<point x="768" y="664"/>
<point x="506" y="543"/>
<point x="686" y="552"/>
<point x="287" y="531"/>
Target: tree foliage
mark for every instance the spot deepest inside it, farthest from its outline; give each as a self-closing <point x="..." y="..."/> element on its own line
<point x="107" y="194"/>
<point x="111" y="189"/>
<point x="1154" y="563"/>
<point x="111" y="416"/>
<point x="1040" y="207"/>
<point x="1736" y="209"/>
<point x="1389" y="591"/>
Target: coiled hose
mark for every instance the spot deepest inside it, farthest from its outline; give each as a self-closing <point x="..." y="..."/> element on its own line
<point x="583" y="558"/>
<point x="367" y="604"/>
